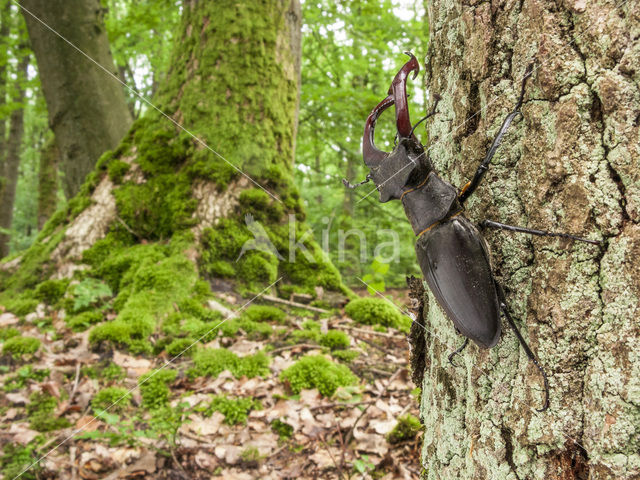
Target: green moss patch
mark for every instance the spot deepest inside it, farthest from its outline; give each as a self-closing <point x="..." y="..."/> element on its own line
<point x="40" y="411"/>
<point x="335" y="340"/>
<point x="81" y="322"/>
<point x="318" y="372"/>
<point x="372" y="311"/>
<point x="235" y="410"/>
<point x="212" y="362"/>
<point x="115" y="399"/>
<point x="19" y="346"/>
<point x="406" y="429"/>
<point x="154" y="387"/>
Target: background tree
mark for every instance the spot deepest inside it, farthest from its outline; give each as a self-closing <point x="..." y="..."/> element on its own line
<point x="80" y="103"/>
<point x="570" y="165"/>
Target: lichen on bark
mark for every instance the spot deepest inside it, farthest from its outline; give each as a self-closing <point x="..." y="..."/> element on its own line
<point x="571" y="164"/>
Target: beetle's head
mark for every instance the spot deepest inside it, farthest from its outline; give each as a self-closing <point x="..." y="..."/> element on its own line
<point x="407" y="164"/>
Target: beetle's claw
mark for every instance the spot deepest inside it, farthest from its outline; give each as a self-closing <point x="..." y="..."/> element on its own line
<point x="397" y="95"/>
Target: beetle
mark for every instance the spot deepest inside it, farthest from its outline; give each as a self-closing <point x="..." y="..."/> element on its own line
<point x="452" y="253"/>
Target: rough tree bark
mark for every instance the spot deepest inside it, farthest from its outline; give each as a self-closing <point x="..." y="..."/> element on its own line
<point x="48" y="182"/>
<point x="87" y="109"/>
<point x="571" y="164"/>
<point x="10" y="163"/>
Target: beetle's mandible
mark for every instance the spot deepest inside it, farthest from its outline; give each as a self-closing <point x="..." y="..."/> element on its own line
<point x="452" y="253"/>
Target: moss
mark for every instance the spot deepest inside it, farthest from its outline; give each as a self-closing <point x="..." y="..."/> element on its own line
<point x="117" y="170"/>
<point x="18" y="461"/>
<point x="235" y="410"/>
<point x="77" y="205"/>
<point x="212" y="362"/>
<point x="23" y="305"/>
<point x="51" y="291"/>
<point x="284" y="430"/>
<point x="81" y="322"/>
<point x="335" y="340"/>
<point x="8" y="332"/>
<point x="154" y="387"/>
<point x="18" y="347"/>
<point x="250" y="457"/>
<point x="40" y="411"/>
<point x="156" y="209"/>
<point x="25" y="375"/>
<point x="372" y="311"/>
<point x="264" y="313"/>
<point x="318" y="372"/>
<point x="406" y="429"/>
<point x="113" y="372"/>
<point x="345" y="355"/>
<point x="179" y="346"/>
<point x="261" y="205"/>
<point x="115" y="399"/>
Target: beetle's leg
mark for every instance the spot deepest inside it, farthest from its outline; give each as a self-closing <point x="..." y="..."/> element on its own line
<point x="532" y="357"/>
<point x="457" y="351"/>
<point x="472" y="184"/>
<point x="541" y="233"/>
<point x="348" y="184"/>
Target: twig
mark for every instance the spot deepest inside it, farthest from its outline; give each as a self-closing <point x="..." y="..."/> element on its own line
<point x="75" y="384"/>
<point x="127" y="227"/>
<point x="342" y="404"/>
<point x="372" y="332"/>
<point x="291" y="347"/>
<point x="269" y="298"/>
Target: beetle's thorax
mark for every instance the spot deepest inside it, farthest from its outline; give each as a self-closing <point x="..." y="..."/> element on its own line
<point x="407" y="174"/>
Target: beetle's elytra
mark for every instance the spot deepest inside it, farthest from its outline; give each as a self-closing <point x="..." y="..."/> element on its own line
<point x="452" y="253"/>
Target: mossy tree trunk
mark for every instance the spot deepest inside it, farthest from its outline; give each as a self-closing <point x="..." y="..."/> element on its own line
<point x="570" y="164"/>
<point x="48" y="182"/>
<point x="163" y="212"/>
<point x="87" y="109"/>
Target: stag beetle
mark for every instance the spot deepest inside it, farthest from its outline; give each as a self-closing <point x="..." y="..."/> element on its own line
<point x="453" y="255"/>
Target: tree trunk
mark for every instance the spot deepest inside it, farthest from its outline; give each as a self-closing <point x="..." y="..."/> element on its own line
<point x="11" y="161"/>
<point x="571" y="165"/>
<point x="48" y="182"/>
<point x="234" y="83"/>
<point x="87" y="108"/>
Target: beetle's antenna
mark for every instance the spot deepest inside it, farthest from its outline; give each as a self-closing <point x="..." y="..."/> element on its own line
<point x="430" y="114"/>
<point x="348" y="184"/>
<point x="457" y="351"/>
<point x="532" y="357"/>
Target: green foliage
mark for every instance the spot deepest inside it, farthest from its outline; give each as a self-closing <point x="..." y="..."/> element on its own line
<point x="40" y="411"/>
<point x="117" y="170"/>
<point x="8" y="332"/>
<point x="335" y="340"/>
<point x="18" y="347"/>
<point x="406" y="429"/>
<point x="22" y="305"/>
<point x="351" y="52"/>
<point x="250" y="456"/>
<point x="372" y="311"/>
<point x="113" y="372"/>
<point x="235" y="410"/>
<point x="264" y="313"/>
<point x="180" y="346"/>
<point x="23" y="375"/>
<point x="90" y="292"/>
<point x="16" y="459"/>
<point x="84" y="320"/>
<point x="284" y="430"/>
<point x="345" y="355"/>
<point x="51" y="291"/>
<point x="211" y="362"/>
<point x="375" y="278"/>
<point x="154" y="387"/>
<point x="113" y="398"/>
<point x="318" y="372"/>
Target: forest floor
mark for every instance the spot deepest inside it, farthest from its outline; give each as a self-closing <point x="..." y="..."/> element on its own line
<point x="102" y="413"/>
